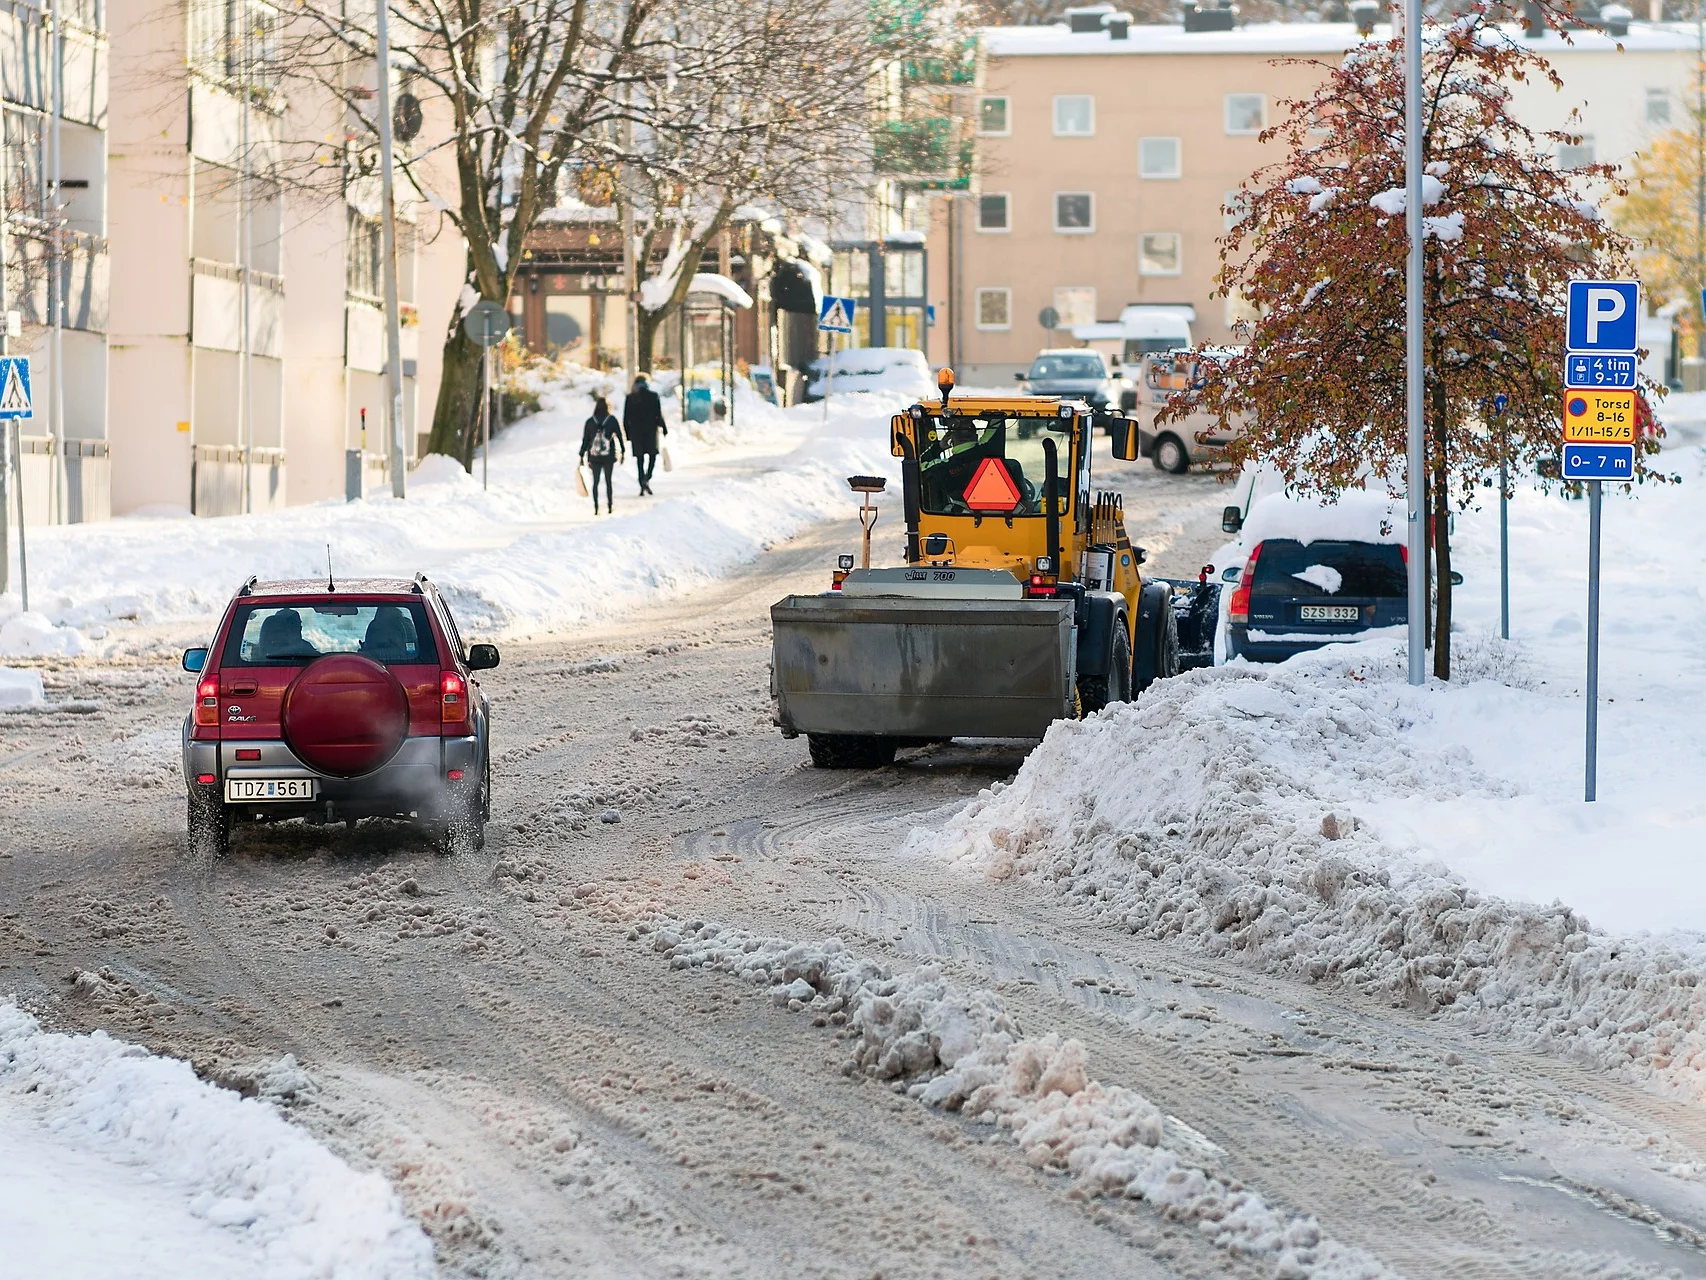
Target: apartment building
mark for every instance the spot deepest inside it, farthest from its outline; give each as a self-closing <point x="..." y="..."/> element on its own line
<point x="1107" y="155"/>
<point x="247" y="331"/>
<point x="53" y="190"/>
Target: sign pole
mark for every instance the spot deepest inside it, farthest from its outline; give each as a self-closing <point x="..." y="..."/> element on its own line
<point x="829" y="377"/>
<point x="1504" y="548"/>
<point x="15" y="430"/>
<point x="486" y="406"/>
<point x="1592" y="782"/>
<point x="1413" y="368"/>
<point x="388" y="236"/>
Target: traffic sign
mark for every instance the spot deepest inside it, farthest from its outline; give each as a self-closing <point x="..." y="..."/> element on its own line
<point x="1599" y="417"/>
<point x="1049" y="318"/>
<point x="1603" y="315"/>
<point x="1599" y="462"/>
<point x="15" y="388"/>
<point x="836" y="315"/>
<point x="486" y="322"/>
<point x="1600" y="371"/>
<point x="992" y="487"/>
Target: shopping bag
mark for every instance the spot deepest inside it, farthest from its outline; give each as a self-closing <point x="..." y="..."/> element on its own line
<point x="664" y="458"/>
<point x="580" y="481"/>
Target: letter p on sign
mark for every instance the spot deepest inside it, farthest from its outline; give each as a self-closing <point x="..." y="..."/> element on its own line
<point x="1604" y="315"/>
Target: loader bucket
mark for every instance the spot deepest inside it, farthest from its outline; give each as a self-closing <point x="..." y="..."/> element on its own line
<point x="922" y="668"/>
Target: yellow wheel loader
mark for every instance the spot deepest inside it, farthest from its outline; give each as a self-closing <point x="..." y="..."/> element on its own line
<point x="1020" y="600"/>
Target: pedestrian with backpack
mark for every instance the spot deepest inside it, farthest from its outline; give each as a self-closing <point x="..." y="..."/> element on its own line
<point x="602" y="447"/>
<point x="642" y="418"/>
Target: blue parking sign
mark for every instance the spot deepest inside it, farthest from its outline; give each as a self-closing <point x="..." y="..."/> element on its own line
<point x="1604" y="315"/>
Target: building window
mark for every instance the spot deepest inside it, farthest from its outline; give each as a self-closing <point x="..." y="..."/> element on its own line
<point x="1076" y="304"/>
<point x="1246" y="113"/>
<point x="992" y="117"/>
<point x="1074" y="212"/>
<point x="1158" y="253"/>
<point x="992" y="212"/>
<point x="1658" y="106"/>
<point x="1074" y="115"/>
<point x="1240" y="313"/>
<point x="1576" y="155"/>
<point x="994" y="308"/>
<point x="1235" y="209"/>
<point x="364" y="266"/>
<point x="1158" y="158"/>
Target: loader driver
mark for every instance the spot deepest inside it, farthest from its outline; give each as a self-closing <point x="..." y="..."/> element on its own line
<point x="962" y="445"/>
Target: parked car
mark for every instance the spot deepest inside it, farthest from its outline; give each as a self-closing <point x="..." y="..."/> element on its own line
<point x="333" y="702"/>
<point x="1312" y="575"/>
<point x="870" y="369"/>
<point x="1175" y="446"/>
<point x="1078" y="373"/>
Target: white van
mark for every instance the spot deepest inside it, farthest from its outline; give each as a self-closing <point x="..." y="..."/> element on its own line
<point x="1142" y="328"/>
<point x="1199" y="437"/>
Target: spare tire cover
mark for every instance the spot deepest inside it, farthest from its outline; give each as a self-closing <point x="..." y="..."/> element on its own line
<point x="345" y="715"/>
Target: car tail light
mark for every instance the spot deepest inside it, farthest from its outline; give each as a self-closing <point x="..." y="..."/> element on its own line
<point x="453" y="691"/>
<point x="1239" y="610"/>
<point x="207" y="701"/>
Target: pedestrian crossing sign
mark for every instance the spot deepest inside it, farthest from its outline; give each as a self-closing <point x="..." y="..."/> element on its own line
<point x="15" y="388"/>
<point x="836" y="315"/>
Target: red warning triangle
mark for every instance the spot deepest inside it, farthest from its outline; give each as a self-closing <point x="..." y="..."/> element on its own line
<point x="992" y="487"/>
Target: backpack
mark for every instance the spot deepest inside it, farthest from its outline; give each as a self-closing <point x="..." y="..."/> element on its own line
<point x="603" y="439"/>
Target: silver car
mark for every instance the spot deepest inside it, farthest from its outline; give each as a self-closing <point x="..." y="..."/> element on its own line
<point x="1078" y="373"/>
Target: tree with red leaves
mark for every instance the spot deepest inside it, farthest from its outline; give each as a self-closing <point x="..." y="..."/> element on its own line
<point x="1319" y="253"/>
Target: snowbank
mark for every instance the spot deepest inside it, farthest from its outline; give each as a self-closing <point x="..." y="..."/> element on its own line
<point x="961" y="1051"/>
<point x="525" y="558"/>
<point x="19" y="689"/>
<point x="899" y="369"/>
<point x="121" y="1163"/>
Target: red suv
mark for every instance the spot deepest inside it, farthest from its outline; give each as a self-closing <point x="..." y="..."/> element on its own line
<point x="332" y="702"/>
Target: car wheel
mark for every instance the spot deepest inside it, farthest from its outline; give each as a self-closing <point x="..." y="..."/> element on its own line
<point x="1096" y="692"/>
<point x="1170" y="456"/>
<point x="209" y="828"/>
<point x="850" y="751"/>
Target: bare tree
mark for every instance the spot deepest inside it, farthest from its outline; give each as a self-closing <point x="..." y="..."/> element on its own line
<point x="509" y="91"/>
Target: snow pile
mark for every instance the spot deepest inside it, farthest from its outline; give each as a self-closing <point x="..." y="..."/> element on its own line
<point x="35" y="634"/>
<point x="960" y="1051"/>
<point x="872" y="369"/>
<point x="524" y="558"/>
<point x="1220" y="811"/>
<point x="212" y="1182"/>
<point x="19" y="689"/>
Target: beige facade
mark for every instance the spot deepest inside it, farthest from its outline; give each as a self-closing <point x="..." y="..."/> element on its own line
<point x="1104" y="164"/>
<point x="247" y="332"/>
<point x="54" y="197"/>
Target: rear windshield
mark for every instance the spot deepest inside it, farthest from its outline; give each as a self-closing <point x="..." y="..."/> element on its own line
<point x="270" y="635"/>
<point x="1290" y="568"/>
<point x="1066" y="367"/>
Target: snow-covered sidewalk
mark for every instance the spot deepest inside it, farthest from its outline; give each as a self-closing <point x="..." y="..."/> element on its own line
<point x="119" y="1164"/>
<point x="524" y="558"/>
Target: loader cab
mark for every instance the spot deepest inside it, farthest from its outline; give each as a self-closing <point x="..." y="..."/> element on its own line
<point x="979" y="472"/>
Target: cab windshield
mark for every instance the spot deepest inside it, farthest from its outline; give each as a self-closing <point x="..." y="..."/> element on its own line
<point x="954" y="482"/>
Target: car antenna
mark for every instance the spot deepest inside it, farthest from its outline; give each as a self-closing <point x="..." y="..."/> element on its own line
<point x="329" y="584"/>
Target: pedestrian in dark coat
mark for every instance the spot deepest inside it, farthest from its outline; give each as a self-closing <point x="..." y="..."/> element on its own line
<point x="601" y="449"/>
<point x="642" y="419"/>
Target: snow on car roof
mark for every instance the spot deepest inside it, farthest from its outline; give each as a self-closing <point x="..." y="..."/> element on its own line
<point x="341" y="586"/>
<point x="1356" y="515"/>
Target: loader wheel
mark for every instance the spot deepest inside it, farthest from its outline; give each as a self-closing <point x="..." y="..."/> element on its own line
<point x="1157" y="655"/>
<point x="850" y="751"/>
<point x="1096" y="692"/>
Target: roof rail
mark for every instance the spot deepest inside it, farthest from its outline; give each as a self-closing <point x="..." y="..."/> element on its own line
<point x="421" y="582"/>
<point x="248" y="588"/>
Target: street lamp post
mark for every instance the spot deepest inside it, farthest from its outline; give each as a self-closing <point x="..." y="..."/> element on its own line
<point x="388" y="230"/>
